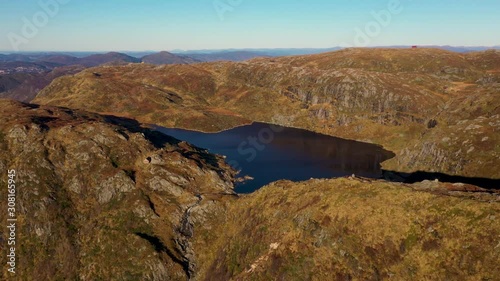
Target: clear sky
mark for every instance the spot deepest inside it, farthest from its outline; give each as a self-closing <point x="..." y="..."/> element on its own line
<point x="138" y="25"/>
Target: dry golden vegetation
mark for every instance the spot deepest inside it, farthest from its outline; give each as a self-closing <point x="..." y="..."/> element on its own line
<point x="354" y="229"/>
<point x="102" y="198"/>
<point x="438" y="111"/>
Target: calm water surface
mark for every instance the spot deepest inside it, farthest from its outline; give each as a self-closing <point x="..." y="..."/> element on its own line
<point x="269" y="153"/>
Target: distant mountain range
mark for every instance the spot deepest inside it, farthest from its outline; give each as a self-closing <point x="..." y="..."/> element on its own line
<point x="22" y="75"/>
<point x="226" y="54"/>
<point x="64" y="59"/>
<point x="168" y="58"/>
<point x="191" y="56"/>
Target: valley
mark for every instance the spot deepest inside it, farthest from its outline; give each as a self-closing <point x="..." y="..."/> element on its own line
<point x="436" y="110"/>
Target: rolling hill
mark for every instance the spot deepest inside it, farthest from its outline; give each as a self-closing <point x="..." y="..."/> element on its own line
<point x="24" y="86"/>
<point x="60" y="59"/>
<point x="108" y="58"/>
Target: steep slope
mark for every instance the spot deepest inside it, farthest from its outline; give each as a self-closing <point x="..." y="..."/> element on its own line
<point x="392" y="97"/>
<point x="167" y="58"/>
<point x="99" y="197"/>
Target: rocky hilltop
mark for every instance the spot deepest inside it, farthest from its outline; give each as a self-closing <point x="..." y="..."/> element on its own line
<point x="437" y="110"/>
<point x="99" y="197"/>
<point x="103" y="198"/>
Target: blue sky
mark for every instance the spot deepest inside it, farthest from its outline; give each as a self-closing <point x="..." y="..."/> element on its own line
<point x="137" y="25"/>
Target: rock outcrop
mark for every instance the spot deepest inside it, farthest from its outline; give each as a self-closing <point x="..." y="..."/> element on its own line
<point x="88" y="208"/>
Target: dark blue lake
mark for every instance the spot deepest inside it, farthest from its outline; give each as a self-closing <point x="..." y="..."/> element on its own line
<point x="269" y="153"/>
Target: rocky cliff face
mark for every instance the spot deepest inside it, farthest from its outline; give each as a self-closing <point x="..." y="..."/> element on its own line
<point x="464" y="140"/>
<point x="100" y="197"/>
<point x="405" y="100"/>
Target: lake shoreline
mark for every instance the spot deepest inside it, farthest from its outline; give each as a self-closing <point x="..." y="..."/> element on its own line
<point x="269" y="154"/>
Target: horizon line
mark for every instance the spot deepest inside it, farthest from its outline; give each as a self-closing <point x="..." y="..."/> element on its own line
<point x="249" y="49"/>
